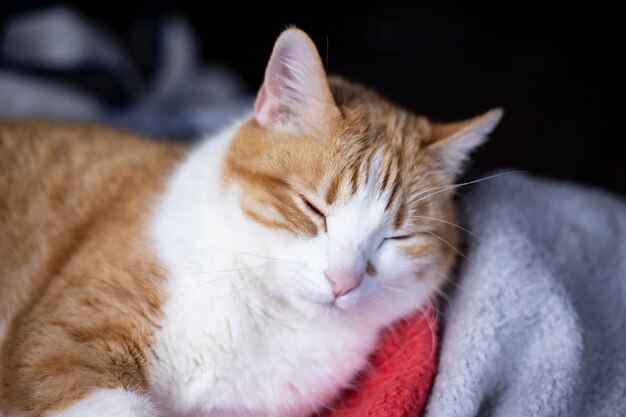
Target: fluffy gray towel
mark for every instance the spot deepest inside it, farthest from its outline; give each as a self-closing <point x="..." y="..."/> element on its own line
<point x="537" y="326"/>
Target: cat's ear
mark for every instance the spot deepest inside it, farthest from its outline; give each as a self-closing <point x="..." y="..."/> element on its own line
<point x="453" y="142"/>
<point x="295" y="92"/>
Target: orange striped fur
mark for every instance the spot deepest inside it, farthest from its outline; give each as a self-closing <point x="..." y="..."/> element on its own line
<point x="79" y="283"/>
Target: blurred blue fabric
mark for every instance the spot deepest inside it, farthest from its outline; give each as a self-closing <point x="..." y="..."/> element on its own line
<point x="46" y="53"/>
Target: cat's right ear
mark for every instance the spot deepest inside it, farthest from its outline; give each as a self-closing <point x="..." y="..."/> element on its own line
<point x="453" y="142"/>
<point x="295" y="94"/>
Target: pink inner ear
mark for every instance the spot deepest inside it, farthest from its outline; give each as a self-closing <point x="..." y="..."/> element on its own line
<point x="265" y="110"/>
<point x="287" y="83"/>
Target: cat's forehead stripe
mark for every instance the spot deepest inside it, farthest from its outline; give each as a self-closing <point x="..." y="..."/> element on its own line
<point x="333" y="189"/>
<point x="354" y="177"/>
<point x="384" y="164"/>
<point x="400" y="216"/>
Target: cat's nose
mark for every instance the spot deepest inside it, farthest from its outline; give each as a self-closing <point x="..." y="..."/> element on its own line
<point x="343" y="280"/>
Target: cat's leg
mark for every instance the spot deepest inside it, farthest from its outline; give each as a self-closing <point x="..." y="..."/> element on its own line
<point x="116" y="402"/>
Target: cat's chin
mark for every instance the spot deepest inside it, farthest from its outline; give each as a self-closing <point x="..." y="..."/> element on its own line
<point x="331" y="311"/>
<point x="315" y="306"/>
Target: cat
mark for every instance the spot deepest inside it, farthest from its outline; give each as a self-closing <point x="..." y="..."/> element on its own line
<point x="249" y="275"/>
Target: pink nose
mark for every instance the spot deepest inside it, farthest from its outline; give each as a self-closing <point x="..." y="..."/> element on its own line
<point x="343" y="281"/>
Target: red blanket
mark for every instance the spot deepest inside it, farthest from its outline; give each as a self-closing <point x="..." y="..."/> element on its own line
<point x="401" y="372"/>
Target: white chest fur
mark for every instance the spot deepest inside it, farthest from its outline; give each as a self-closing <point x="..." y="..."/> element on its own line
<point x="228" y="346"/>
<point x="252" y="364"/>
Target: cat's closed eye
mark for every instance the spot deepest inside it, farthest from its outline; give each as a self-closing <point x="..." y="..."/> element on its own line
<point x="397" y="238"/>
<point x="313" y="209"/>
<point x="400" y="237"/>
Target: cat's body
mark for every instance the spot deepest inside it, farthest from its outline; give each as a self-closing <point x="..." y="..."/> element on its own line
<point x="79" y="282"/>
<point x="249" y="276"/>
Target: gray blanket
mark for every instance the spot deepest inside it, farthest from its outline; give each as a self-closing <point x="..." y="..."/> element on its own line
<point x="537" y="326"/>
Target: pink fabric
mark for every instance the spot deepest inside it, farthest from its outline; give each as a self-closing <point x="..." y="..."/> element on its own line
<point x="402" y="369"/>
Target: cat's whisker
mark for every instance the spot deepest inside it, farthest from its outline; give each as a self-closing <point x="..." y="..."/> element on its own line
<point x="271" y="258"/>
<point x="395" y="289"/>
<point x="422" y="193"/>
<point x="212" y="301"/>
<point x="447" y="222"/>
<point x="430" y="323"/>
<point x="431" y="326"/>
<point x="204" y="283"/>
<point x="266" y="294"/>
<point x="381" y="303"/>
<point x="273" y="292"/>
<point x="330" y="407"/>
<point x="453" y="186"/>
<point x="444" y="296"/>
<point x="230" y="249"/>
<point x="409" y="342"/>
<point x="444" y="186"/>
<point x="220" y="271"/>
<point x="449" y="244"/>
<point x="450" y="284"/>
<point x="255" y="254"/>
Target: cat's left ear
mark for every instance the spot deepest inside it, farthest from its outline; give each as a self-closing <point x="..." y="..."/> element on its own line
<point x="453" y="142"/>
<point x="295" y="94"/>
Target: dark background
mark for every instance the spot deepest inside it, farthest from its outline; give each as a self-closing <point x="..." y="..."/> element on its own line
<point x="554" y="69"/>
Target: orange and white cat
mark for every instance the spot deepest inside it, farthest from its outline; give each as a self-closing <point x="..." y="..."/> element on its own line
<point x="248" y="276"/>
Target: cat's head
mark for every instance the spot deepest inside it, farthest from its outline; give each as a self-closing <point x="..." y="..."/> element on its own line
<point x="350" y="194"/>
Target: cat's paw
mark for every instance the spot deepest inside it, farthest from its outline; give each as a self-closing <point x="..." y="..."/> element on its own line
<point x="116" y="402"/>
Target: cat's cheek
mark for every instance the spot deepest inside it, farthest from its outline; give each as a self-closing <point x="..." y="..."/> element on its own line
<point x="310" y="308"/>
<point x="389" y="262"/>
<point x="401" y="279"/>
<point x="308" y="295"/>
